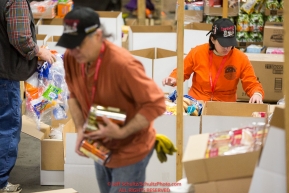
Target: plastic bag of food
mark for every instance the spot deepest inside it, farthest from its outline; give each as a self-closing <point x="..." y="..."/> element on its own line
<point x="242" y="37"/>
<point x="272" y="4"/>
<point x="243" y="22"/>
<point x="256" y="22"/>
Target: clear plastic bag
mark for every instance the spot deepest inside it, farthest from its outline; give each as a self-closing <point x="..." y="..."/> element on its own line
<point x="47" y="92"/>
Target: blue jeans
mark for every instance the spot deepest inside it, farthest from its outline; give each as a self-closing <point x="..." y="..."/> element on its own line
<point x="10" y="127"/>
<point x="114" y="180"/>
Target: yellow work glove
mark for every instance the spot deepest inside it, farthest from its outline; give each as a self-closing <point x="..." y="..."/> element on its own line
<point x="164" y="146"/>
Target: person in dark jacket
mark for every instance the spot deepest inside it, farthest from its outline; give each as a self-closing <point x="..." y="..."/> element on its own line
<point x="18" y="61"/>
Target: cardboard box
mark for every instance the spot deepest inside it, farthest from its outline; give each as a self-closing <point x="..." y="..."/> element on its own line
<point x="218" y="11"/>
<point x="269" y="71"/>
<point x="191" y="16"/>
<point x="81" y="178"/>
<point x="50" y="26"/>
<point x="158" y="64"/>
<point x="267" y="182"/>
<point x="273" y="34"/>
<point x="270" y="175"/>
<point x="143" y="37"/>
<point x="52" y="150"/>
<point x="273" y="12"/>
<point x="112" y="22"/>
<point x="223" y="116"/>
<point x="195" y="34"/>
<point x="272" y="160"/>
<point x="200" y="169"/>
<point x="226" y="186"/>
<point x="51" y="44"/>
<point x="64" y="8"/>
<point x="41" y="39"/>
<point x="69" y="190"/>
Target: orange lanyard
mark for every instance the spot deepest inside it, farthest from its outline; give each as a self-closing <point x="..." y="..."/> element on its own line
<point x="98" y="63"/>
<point x="213" y="83"/>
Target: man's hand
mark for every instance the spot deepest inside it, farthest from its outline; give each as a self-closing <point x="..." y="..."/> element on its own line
<point x="169" y="81"/>
<point x="46" y="55"/>
<point x="108" y="131"/>
<point x="79" y="139"/>
<point x="256" y="98"/>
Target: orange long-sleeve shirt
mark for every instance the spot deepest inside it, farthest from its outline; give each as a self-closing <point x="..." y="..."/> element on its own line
<point x="121" y="83"/>
<point x="236" y="67"/>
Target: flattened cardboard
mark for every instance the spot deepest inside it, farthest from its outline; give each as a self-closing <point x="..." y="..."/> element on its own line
<point x="199" y="169"/>
<point x="68" y="190"/>
<point x="29" y="127"/>
<point x="226" y="186"/>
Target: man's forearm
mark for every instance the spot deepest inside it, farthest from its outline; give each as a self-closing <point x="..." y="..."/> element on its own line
<point x="138" y="123"/>
<point x="76" y="113"/>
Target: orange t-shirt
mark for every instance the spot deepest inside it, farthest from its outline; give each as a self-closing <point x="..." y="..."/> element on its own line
<point x="121" y="83"/>
<point x="236" y="67"/>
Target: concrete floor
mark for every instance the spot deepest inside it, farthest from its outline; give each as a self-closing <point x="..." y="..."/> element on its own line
<point x="27" y="169"/>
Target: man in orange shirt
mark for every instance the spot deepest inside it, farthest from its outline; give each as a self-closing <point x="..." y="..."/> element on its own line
<point x="218" y="67"/>
<point x="98" y="72"/>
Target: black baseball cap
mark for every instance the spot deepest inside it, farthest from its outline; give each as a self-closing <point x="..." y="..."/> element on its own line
<point x="225" y="32"/>
<point x="78" y="23"/>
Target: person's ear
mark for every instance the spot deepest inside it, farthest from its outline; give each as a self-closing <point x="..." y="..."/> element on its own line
<point x="98" y="34"/>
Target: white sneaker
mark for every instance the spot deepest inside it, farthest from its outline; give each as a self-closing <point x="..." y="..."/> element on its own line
<point x="11" y="188"/>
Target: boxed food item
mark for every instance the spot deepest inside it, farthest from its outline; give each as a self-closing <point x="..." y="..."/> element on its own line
<point x="95" y="149"/>
<point x="43" y="9"/>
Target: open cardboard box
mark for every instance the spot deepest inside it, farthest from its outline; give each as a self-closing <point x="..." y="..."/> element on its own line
<point x="195" y="34"/>
<point x="161" y="36"/>
<point x="223" y="116"/>
<point x="158" y="64"/>
<point x="270" y="175"/>
<point x="52" y="150"/>
<point x="241" y="185"/>
<point x="51" y="44"/>
<point x="199" y="169"/>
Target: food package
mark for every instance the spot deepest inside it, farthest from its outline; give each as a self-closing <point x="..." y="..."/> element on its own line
<point x="272" y="5"/>
<point x="273" y="18"/>
<point x="95" y="151"/>
<point x="256" y="22"/>
<point x="249" y="6"/>
<point x="192" y="106"/>
<point x="96" y="113"/>
<point x="243" y="23"/>
<point x="255" y="37"/>
<point x="272" y="50"/>
<point x="211" y="19"/>
<point x="237" y="140"/>
<point x="233" y="3"/>
<point x="242" y="37"/>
